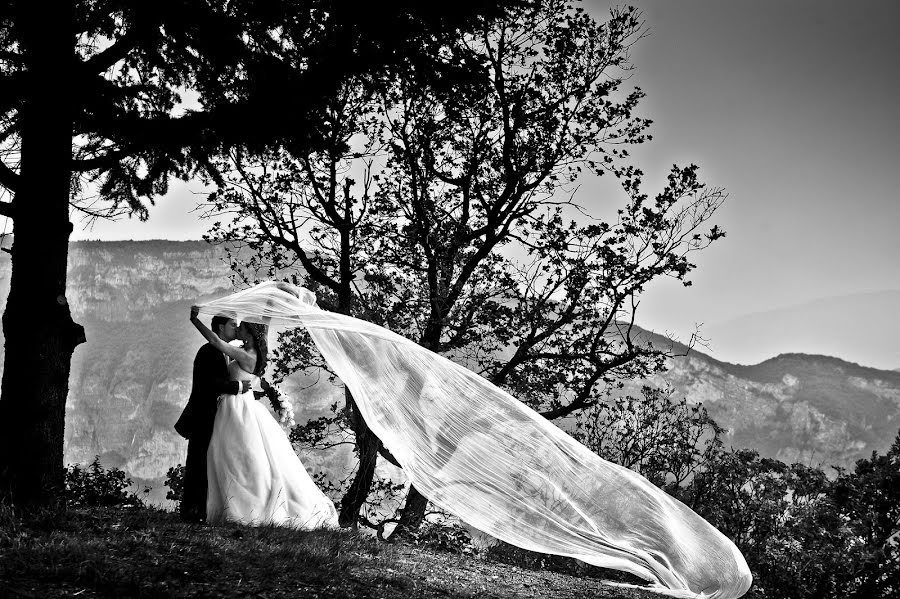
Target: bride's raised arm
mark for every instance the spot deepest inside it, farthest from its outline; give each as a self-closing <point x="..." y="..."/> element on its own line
<point x="246" y="359"/>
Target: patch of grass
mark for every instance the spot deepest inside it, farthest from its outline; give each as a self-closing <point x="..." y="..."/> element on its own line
<point x="149" y="553"/>
<point x="530" y="560"/>
<point x="94" y="552"/>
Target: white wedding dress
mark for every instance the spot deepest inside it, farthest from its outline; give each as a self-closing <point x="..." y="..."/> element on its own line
<point x="254" y="475"/>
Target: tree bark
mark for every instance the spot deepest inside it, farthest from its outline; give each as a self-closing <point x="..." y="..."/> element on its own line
<point x="37" y="324"/>
<point x="368" y="445"/>
<point x="412" y="514"/>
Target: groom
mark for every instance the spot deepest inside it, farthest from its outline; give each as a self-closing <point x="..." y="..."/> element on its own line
<point x="210" y="380"/>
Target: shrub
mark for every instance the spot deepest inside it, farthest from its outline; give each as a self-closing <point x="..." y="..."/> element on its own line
<point x="96" y="486"/>
<point x="175" y="482"/>
<point x="449" y="537"/>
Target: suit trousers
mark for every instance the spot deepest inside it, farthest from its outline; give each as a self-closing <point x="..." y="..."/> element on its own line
<point x="193" y="502"/>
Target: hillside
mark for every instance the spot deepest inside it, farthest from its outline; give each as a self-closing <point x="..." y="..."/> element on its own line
<point x="113" y="552"/>
<point x="132" y="378"/>
<point x="795" y="407"/>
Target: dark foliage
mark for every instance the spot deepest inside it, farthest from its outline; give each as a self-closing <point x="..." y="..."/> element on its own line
<point x="175" y="482"/>
<point x="95" y="486"/>
<point x="448" y="537"/>
<point x="803" y="534"/>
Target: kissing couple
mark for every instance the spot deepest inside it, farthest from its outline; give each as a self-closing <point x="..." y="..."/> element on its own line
<point x="240" y="464"/>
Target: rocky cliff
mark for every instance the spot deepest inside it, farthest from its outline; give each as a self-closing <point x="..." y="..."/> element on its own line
<point x="813" y="409"/>
<point x="131" y="379"/>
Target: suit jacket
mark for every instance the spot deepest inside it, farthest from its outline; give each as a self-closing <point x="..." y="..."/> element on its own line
<point x="210" y="380"/>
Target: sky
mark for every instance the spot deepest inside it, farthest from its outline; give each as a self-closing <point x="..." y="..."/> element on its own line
<point x="790" y="106"/>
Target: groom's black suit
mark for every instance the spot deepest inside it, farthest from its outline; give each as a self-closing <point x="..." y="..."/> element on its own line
<point x="196" y="425"/>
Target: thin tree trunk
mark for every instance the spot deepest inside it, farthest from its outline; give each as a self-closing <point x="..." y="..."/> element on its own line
<point x="412" y="514"/>
<point x="37" y="324"/>
<point x="368" y="445"/>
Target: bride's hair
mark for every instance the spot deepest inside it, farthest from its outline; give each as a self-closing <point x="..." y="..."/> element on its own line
<point x="260" y="334"/>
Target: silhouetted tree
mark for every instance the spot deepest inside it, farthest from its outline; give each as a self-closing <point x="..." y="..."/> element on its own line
<point x="480" y="174"/>
<point x="92" y="94"/>
<point x="805" y="536"/>
<point x="667" y="441"/>
<point x="464" y="165"/>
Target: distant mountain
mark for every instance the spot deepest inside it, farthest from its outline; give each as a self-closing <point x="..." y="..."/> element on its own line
<point x="794" y="407"/>
<point x="861" y="328"/>
<point x="132" y="378"/>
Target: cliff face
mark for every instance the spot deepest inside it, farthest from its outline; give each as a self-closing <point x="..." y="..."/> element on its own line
<point x="118" y="281"/>
<point x="812" y="409"/>
<point x="131" y="380"/>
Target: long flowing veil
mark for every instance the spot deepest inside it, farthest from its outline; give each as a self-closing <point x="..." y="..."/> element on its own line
<point x="477" y="452"/>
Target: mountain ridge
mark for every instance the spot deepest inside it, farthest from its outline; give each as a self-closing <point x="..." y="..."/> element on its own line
<point x="131" y="380"/>
<point x="661" y="339"/>
<point x="859" y="328"/>
<point x="810" y="408"/>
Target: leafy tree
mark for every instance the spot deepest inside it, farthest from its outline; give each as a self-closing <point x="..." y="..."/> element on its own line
<point x="746" y="497"/>
<point x="807" y="555"/>
<point x="481" y="173"/>
<point x="803" y="535"/>
<point x="869" y="499"/>
<point x="92" y="96"/>
<point x="458" y="167"/>
<point x="668" y="442"/>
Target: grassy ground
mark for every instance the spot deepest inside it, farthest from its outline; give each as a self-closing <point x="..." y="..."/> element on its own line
<point x="149" y="553"/>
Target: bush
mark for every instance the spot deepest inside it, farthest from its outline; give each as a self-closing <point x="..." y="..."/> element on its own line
<point x="805" y="536"/>
<point x="96" y="486"/>
<point x="452" y="538"/>
<point x="175" y="482"/>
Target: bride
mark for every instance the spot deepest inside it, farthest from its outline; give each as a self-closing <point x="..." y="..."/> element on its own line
<point x="254" y="475"/>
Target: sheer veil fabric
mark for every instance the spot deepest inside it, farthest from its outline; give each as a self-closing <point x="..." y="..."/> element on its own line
<point x="477" y="452"/>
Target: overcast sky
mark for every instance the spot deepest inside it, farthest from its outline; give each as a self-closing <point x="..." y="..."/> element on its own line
<point x="791" y="106"/>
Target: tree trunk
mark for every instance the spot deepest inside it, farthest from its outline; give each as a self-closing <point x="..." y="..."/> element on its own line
<point x="412" y="514"/>
<point x="413" y="511"/>
<point x="368" y="445"/>
<point x="37" y="324"/>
